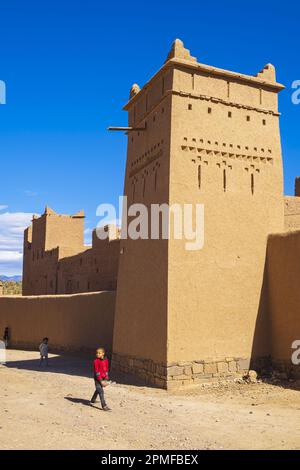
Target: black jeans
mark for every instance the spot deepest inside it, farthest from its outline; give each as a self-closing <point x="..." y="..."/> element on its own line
<point x="99" y="391"/>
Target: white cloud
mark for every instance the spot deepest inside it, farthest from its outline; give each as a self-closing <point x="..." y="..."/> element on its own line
<point x="12" y="226"/>
<point x="8" y="256"/>
<point x="2" y="207"/>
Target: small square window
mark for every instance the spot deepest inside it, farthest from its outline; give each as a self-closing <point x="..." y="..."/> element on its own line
<point x="229" y="114"/>
<point x="190" y="106"/>
<point x="209" y="110"/>
<point x="264" y="122"/>
<point x="248" y="118"/>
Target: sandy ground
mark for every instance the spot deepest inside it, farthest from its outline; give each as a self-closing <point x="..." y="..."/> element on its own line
<point x="48" y="408"/>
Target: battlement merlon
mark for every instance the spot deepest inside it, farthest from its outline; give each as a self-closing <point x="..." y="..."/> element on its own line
<point x="113" y="234"/>
<point x="194" y="83"/>
<point x="27" y="237"/>
<point x="50" y="212"/>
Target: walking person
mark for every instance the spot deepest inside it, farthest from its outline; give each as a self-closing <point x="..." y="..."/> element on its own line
<point x="100" y="366"/>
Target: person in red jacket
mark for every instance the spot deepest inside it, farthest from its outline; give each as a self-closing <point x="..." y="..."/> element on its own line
<point x="101" y="377"/>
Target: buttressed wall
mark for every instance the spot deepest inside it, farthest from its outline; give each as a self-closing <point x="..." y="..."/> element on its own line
<point x="210" y="137"/>
<point x="57" y="262"/>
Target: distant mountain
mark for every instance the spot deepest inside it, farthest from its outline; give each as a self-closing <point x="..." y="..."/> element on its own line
<point x="11" y="278"/>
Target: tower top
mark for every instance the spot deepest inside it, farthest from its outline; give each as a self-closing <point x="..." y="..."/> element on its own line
<point x="49" y="211"/>
<point x="181" y="57"/>
<point x="178" y="51"/>
<point x="267" y="73"/>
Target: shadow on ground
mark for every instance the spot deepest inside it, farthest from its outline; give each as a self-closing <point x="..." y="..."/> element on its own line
<point x="81" y="401"/>
<point x="79" y="365"/>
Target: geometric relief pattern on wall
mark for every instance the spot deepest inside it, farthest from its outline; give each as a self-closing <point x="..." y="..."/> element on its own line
<point x="146" y="158"/>
<point x="209" y="149"/>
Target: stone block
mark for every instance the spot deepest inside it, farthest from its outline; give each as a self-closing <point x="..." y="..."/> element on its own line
<point x="138" y="364"/>
<point x="243" y="364"/>
<point x="222" y="367"/>
<point x="197" y="368"/>
<point x="181" y="377"/>
<point x="202" y="376"/>
<point x="188" y="382"/>
<point x="175" y="370"/>
<point x="130" y="362"/>
<point x="210" y="368"/>
<point x="232" y="366"/>
<point x="188" y="370"/>
<point x="183" y="363"/>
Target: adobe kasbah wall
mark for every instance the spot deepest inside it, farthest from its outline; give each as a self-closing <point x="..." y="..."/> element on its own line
<point x="79" y="322"/>
<point x="212" y="136"/>
<point x="284" y="298"/>
<point x="57" y="262"/>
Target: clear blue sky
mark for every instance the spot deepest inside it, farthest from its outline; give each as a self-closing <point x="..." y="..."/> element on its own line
<point x="68" y="67"/>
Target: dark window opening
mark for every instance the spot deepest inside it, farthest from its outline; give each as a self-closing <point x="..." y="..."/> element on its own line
<point x="252" y="183"/>
<point x="224" y="180"/>
<point x="199" y="176"/>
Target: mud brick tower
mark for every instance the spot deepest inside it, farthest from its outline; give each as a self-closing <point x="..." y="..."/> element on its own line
<point x="210" y="136"/>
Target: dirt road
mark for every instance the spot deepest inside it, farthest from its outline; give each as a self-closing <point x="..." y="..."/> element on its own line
<point x="48" y="408"/>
